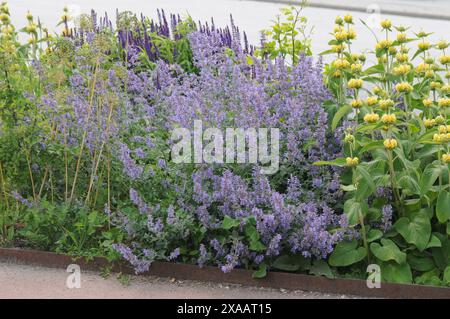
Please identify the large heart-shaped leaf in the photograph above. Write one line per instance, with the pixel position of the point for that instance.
(321, 268)
(346, 253)
(393, 272)
(388, 251)
(443, 207)
(421, 263)
(415, 229)
(291, 263)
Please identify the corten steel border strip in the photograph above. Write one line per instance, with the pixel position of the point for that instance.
(238, 276)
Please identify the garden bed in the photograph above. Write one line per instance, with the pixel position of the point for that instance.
(148, 140)
(237, 276)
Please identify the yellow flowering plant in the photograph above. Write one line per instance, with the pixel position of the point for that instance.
(397, 112)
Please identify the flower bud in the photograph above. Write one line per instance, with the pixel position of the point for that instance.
(424, 45)
(371, 100)
(422, 67)
(401, 37)
(356, 67)
(341, 64)
(383, 44)
(356, 104)
(352, 161)
(402, 57)
(348, 18)
(371, 118)
(339, 48)
(445, 89)
(442, 129)
(402, 69)
(349, 138)
(403, 87)
(341, 35)
(388, 119)
(355, 83)
(386, 104)
(445, 59)
(386, 24)
(435, 85)
(444, 102)
(422, 34)
(440, 120)
(442, 45)
(429, 123)
(390, 144)
(427, 102)
(31, 28)
(351, 34)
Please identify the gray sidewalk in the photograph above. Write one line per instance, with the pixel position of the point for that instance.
(430, 9)
(251, 16)
(20, 281)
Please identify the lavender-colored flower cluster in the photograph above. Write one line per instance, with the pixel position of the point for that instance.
(292, 211)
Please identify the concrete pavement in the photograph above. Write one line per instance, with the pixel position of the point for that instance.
(30, 282)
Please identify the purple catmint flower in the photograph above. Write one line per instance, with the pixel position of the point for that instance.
(274, 246)
(204, 256)
(139, 202)
(21, 199)
(174, 254)
(386, 218)
(130, 168)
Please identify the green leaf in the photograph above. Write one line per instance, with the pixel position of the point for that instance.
(447, 276)
(415, 229)
(443, 207)
(341, 112)
(346, 253)
(354, 209)
(420, 263)
(374, 234)
(448, 228)
(229, 223)
(348, 188)
(251, 232)
(291, 263)
(261, 272)
(434, 242)
(256, 245)
(341, 162)
(429, 176)
(371, 146)
(321, 268)
(389, 251)
(366, 178)
(395, 273)
(429, 278)
(441, 255)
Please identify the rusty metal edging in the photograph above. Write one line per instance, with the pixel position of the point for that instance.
(238, 276)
